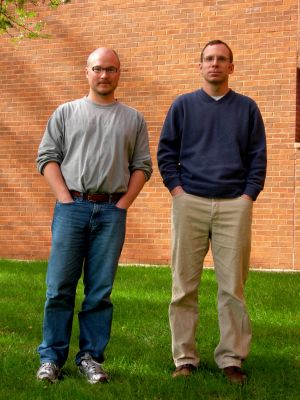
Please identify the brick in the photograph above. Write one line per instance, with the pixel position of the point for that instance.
(159, 45)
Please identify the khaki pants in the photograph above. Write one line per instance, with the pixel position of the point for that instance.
(226, 225)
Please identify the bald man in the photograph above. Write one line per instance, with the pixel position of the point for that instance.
(95, 157)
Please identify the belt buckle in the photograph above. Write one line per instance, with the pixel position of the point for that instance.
(89, 197)
(80, 195)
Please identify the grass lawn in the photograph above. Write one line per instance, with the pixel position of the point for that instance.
(138, 357)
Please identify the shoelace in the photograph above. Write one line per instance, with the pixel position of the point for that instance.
(48, 367)
(49, 370)
(92, 366)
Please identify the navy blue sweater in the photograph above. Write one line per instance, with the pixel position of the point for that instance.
(214, 149)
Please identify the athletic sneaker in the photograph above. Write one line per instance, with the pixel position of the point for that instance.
(92, 370)
(48, 371)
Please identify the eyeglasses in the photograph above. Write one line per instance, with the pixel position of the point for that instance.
(100, 70)
(219, 59)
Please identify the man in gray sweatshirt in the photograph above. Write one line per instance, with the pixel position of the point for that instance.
(95, 156)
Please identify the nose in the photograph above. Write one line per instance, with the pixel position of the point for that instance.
(104, 71)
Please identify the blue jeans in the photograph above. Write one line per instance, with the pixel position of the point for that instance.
(85, 236)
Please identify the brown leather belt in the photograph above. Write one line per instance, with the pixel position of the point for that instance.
(98, 197)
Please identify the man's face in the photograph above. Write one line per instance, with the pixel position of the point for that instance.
(216, 66)
(103, 73)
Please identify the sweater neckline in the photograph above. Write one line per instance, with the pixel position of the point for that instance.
(210, 99)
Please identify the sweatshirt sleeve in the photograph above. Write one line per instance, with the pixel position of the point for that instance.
(51, 146)
(169, 148)
(141, 159)
(257, 156)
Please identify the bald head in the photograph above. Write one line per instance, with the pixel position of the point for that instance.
(103, 51)
(103, 73)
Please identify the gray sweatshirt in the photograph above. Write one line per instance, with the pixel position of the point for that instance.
(96, 146)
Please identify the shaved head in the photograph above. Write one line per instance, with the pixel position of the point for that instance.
(103, 73)
(103, 51)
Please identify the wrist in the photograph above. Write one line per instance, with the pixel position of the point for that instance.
(65, 198)
(177, 191)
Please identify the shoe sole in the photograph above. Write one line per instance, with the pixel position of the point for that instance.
(47, 380)
(101, 380)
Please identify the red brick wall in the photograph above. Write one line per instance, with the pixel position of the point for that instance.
(296, 224)
(159, 44)
(298, 106)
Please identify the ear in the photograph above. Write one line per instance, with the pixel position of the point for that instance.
(231, 68)
(200, 67)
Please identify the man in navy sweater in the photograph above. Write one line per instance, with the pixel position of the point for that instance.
(212, 158)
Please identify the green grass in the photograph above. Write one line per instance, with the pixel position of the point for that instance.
(138, 356)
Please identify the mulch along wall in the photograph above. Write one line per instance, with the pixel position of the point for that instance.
(159, 42)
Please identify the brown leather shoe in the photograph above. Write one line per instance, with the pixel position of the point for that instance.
(235, 375)
(184, 370)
